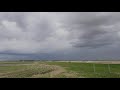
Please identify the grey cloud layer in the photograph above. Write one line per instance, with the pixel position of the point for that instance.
(46, 32)
(31, 33)
(94, 29)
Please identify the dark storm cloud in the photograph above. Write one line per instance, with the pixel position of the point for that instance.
(62, 35)
(93, 29)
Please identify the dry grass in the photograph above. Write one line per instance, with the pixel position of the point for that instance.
(37, 70)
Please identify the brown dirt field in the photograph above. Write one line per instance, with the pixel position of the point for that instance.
(102, 62)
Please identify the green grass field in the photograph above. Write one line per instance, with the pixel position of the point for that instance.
(54, 69)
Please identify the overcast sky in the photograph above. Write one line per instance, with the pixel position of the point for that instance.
(60, 35)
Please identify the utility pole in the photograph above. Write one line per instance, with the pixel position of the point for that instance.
(94, 67)
(109, 68)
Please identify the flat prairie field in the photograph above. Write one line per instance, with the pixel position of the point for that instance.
(59, 69)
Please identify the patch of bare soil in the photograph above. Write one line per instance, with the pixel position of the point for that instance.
(57, 72)
(105, 62)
